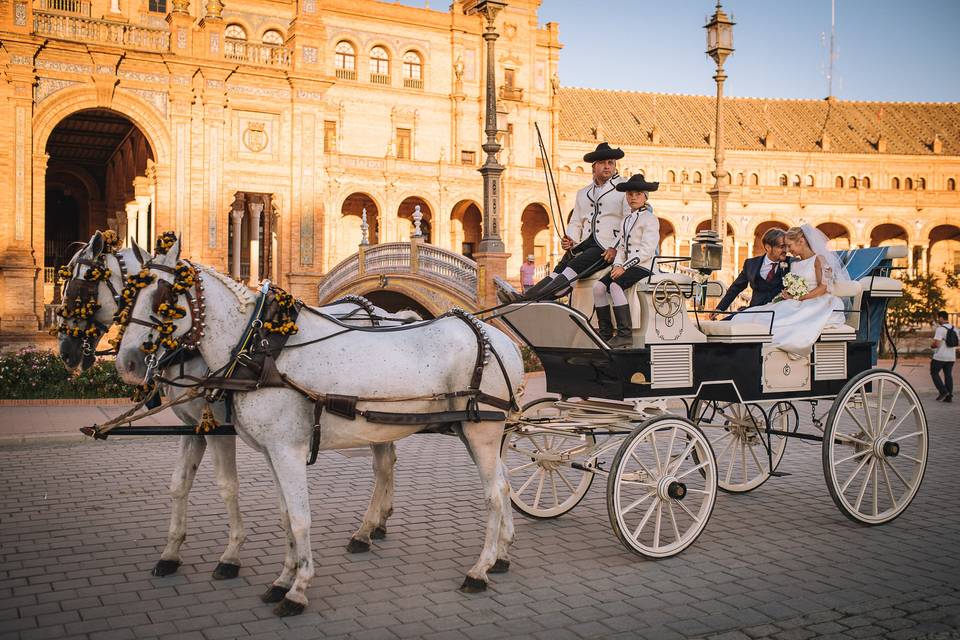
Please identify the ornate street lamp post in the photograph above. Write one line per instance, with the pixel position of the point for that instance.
(491, 169)
(719, 46)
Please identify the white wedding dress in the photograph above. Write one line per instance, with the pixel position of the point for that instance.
(797, 324)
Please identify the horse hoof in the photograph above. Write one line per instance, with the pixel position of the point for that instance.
(358, 546)
(500, 566)
(165, 568)
(379, 533)
(288, 608)
(473, 585)
(227, 571)
(274, 594)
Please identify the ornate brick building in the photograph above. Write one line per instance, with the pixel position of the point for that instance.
(263, 131)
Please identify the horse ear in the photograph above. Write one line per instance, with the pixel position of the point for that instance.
(96, 244)
(142, 254)
(172, 255)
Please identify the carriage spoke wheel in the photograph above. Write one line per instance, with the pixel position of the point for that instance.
(662, 487)
(543, 484)
(875, 447)
(736, 433)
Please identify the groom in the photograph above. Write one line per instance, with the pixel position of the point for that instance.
(763, 273)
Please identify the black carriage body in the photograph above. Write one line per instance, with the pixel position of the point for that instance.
(720, 371)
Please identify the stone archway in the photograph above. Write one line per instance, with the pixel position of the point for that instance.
(668, 236)
(348, 233)
(887, 234)
(761, 229)
(405, 218)
(535, 231)
(465, 227)
(101, 174)
(838, 236)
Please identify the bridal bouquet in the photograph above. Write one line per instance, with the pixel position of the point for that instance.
(793, 284)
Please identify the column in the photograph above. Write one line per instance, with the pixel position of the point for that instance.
(143, 221)
(256, 208)
(132, 210)
(237, 216)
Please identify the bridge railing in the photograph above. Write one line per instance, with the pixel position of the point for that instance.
(443, 267)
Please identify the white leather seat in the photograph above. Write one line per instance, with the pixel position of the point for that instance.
(726, 331)
(837, 333)
(683, 281)
(881, 287)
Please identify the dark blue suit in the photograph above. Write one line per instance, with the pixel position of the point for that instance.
(764, 291)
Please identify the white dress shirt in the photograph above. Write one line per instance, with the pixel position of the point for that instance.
(766, 266)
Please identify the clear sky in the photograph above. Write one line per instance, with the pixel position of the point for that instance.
(886, 49)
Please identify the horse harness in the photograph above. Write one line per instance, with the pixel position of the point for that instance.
(253, 365)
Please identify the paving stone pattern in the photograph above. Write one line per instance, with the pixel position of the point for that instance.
(82, 525)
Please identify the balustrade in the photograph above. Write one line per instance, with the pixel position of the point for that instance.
(70, 27)
(433, 263)
(259, 54)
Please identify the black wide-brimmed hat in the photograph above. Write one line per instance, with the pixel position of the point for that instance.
(637, 183)
(603, 152)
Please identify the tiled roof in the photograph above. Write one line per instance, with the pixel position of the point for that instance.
(628, 118)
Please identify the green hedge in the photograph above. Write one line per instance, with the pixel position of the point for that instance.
(30, 374)
(530, 360)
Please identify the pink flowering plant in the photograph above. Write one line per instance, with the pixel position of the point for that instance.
(32, 374)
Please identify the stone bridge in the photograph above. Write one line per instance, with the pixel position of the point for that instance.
(406, 275)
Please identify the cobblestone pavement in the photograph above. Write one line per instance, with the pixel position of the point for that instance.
(81, 525)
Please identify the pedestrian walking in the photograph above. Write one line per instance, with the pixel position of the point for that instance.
(944, 346)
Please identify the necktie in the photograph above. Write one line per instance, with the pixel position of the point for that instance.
(770, 273)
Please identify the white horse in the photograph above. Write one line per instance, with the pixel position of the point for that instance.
(76, 351)
(425, 360)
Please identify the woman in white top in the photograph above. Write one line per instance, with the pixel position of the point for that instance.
(798, 322)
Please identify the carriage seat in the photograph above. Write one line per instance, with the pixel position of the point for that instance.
(684, 281)
(838, 333)
(882, 287)
(725, 331)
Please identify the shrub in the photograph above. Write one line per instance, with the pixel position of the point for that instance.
(30, 374)
(530, 360)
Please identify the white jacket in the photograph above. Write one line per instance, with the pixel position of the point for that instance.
(599, 212)
(640, 238)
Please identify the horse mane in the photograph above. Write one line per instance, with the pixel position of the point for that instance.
(240, 290)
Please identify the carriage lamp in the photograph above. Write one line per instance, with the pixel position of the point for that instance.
(706, 252)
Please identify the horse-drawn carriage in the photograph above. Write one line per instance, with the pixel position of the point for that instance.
(697, 404)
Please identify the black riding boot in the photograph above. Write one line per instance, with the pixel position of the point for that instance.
(549, 290)
(624, 337)
(604, 322)
(533, 292)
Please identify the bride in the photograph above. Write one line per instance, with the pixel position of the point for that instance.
(798, 322)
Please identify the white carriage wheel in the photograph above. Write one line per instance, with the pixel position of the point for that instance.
(543, 485)
(736, 433)
(875, 447)
(659, 494)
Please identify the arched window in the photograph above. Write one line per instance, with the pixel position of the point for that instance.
(810, 181)
(865, 182)
(908, 184)
(235, 32)
(754, 180)
(412, 70)
(951, 184)
(671, 176)
(839, 182)
(684, 176)
(895, 183)
(921, 184)
(852, 183)
(379, 64)
(783, 180)
(740, 179)
(796, 181)
(273, 37)
(345, 60)
(697, 177)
